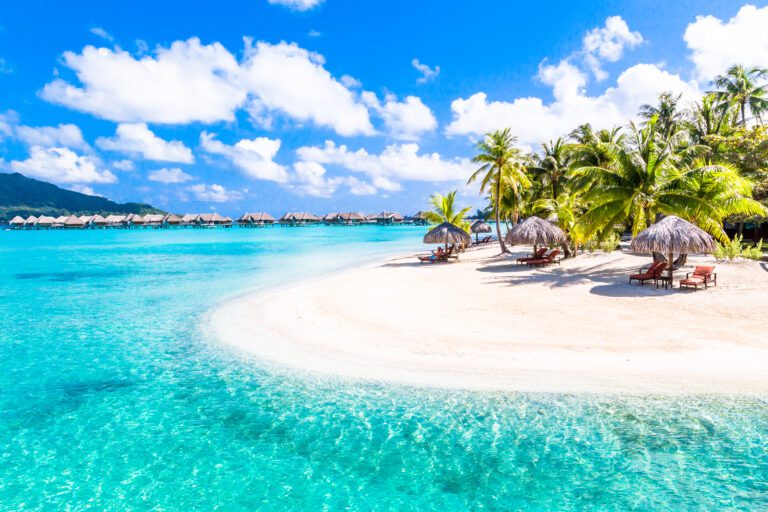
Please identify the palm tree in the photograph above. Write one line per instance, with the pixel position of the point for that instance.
(445, 211)
(553, 165)
(705, 124)
(669, 117)
(560, 210)
(502, 166)
(651, 176)
(739, 88)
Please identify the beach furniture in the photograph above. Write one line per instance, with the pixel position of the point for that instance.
(549, 259)
(701, 275)
(437, 255)
(538, 254)
(652, 273)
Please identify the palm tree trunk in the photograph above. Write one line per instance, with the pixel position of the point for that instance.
(498, 219)
(743, 114)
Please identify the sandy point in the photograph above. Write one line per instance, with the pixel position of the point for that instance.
(486, 323)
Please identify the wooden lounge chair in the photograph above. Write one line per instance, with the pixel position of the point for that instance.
(651, 273)
(440, 255)
(701, 275)
(535, 256)
(549, 259)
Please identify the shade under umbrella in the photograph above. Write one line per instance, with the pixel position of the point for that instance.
(480, 226)
(673, 235)
(535, 231)
(447, 233)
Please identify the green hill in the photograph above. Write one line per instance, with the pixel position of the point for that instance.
(24, 196)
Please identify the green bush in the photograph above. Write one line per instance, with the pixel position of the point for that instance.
(610, 243)
(735, 249)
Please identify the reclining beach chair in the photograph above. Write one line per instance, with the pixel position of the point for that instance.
(535, 256)
(701, 275)
(549, 259)
(651, 273)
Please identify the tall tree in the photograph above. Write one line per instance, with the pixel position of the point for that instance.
(553, 165)
(740, 88)
(501, 167)
(668, 115)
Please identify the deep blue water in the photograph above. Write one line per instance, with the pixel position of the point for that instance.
(111, 398)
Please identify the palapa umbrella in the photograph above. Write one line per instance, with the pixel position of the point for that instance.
(535, 231)
(480, 226)
(673, 235)
(447, 233)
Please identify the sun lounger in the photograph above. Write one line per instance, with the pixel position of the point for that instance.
(535, 256)
(549, 259)
(651, 273)
(439, 255)
(701, 275)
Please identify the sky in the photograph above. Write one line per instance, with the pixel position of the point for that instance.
(332, 105)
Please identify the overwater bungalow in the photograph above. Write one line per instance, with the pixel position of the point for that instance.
(299, 219)
(419, 218)
(154, 220)
(351, 218)
(73, 222)
(256, 219)
(387, 218)
(45, 222)
(115, 221)
(213, 219)
(30, 222)
(99, 222)
(134, 220)
(17, 222)
(189, 219)
(331, 218)
(171, 220)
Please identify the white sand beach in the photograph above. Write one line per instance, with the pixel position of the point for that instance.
(486, 323)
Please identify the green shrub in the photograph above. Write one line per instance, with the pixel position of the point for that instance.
(735, 249)
(753, 253)
(610, 243)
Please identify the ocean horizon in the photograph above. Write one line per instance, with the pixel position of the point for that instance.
(113, 397)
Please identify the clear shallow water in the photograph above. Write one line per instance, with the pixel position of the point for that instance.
(110, 398)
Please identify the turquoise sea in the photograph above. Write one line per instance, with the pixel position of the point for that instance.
(111, 398)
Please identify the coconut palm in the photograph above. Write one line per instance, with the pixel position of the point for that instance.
(668, 115)
(553, 165)
(740, 88)
(445, 211)
(651, 176)
(560, 210)
(501, 167)
(705, 124)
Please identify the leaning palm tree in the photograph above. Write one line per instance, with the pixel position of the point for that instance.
(740, 88)
(501, 166)
(652, 176)
(445, 211)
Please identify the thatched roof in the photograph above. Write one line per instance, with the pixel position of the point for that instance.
(189, 217)
(420, 215)
(45, 221)
(351, 216)
(61, 219)
(480, 226)
(16, 221)
(331, 217)
(115, 219)
(673, 235)
(30, 220)
(256, 217)
(99, 220)
(154, 218)
(535, 231)
(170, 218)
(73, 221)
(447, 233)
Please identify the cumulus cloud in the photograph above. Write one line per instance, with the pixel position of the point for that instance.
(124, 165)
(398, 162)
(427, 73)
(607, 43)
(68, 135)
(294, 81)
(716, 44)
(253, 157)
(98, 31)
(214, 193)
(84, 189)
(190, 81)
(405, 120)
(297, 5)
(62, 165)
(169, 175)
(137, 139)
(309, 178)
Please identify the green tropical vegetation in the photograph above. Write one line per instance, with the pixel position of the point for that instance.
(706, 162)
(445, 210)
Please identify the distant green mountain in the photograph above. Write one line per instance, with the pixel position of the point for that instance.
(24, 196)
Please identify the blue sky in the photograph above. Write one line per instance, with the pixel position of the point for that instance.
(334, 105)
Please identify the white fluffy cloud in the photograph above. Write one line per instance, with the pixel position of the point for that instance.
(169, 175)
(183, 83)
(297, 5)
(398, 162)
(123, 165)
(62, 165)
(190, 81)
(85, 189)
(716, 45)
(68, 135)
(289, 79)
(138, 140)
(405, 120)
(427, 73)
(310, 178)
(254, 157)
(607, 43)
(214, 193)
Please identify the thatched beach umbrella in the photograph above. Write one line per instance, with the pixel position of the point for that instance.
(673, 235)
(480, 226)
(535, 231)
(447, 233)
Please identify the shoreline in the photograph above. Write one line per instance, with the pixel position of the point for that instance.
(511, 328)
